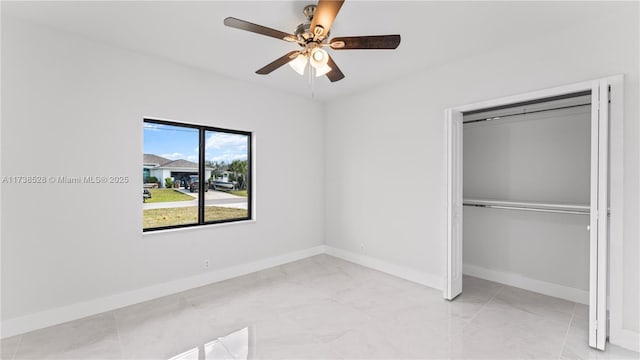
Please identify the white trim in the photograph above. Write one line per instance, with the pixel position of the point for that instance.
(625, 338)
(616, 201)
(555, 91)
(75, 311)
(402, 272)
(254, 175)
(603, 219)
(196, 227)
(594, 224)
(523, 282)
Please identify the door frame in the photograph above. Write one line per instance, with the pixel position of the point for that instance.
(611, 187)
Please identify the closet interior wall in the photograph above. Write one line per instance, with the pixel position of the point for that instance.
(541, 157)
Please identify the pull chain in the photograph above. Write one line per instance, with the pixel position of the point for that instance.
(311, 79)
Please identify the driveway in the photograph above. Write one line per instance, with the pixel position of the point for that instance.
(211, 198)
(212, 195)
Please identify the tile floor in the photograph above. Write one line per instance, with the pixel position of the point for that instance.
(326, 308)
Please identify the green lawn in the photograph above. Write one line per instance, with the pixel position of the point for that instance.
(188, 215)
(239, 192)
(165, 195)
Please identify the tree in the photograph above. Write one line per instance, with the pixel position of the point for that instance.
(215, 165)
(239, 169)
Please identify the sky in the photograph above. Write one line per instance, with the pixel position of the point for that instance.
(175, 142)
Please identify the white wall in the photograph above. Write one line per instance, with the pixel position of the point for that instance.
(385, 152)
(543, 157)
(74, 107)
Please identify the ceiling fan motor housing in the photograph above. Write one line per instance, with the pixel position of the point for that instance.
(309, 11)
(304, 31)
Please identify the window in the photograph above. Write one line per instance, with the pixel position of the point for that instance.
(194, 175)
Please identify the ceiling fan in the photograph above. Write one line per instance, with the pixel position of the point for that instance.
(312, 36)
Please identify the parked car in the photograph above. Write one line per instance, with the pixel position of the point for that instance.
(194, 183)
(146, 194)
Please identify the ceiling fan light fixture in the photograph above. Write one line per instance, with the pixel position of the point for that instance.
(311, 36)
(322, 70)
(319, 58)
(299, 64)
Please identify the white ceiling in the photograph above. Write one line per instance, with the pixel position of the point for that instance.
(192, 33)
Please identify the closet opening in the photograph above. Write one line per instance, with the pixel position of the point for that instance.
(528, 196)
(535, 157)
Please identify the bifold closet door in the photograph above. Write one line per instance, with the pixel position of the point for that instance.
(599, 219)
(453, 286)
(599, 203)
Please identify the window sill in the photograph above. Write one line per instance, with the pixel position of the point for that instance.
(198, 227)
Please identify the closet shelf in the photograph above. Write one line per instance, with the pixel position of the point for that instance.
(529, 206)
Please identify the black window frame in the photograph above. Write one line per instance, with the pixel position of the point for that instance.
(201, 175)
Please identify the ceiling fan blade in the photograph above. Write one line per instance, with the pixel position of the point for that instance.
(365, 42)
(267, 69)
(326, 12)
(258, 29)
(335, 74)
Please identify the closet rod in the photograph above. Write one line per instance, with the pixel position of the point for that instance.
(524, 112)
(574, 212)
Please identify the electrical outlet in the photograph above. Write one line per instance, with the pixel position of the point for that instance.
(205, 265)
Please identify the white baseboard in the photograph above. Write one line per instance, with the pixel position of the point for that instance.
(625, 338)
(386, 267)
(75, 311)
(15, 326)
(522, 282)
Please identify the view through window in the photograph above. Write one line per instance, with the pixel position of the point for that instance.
(194, 175)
